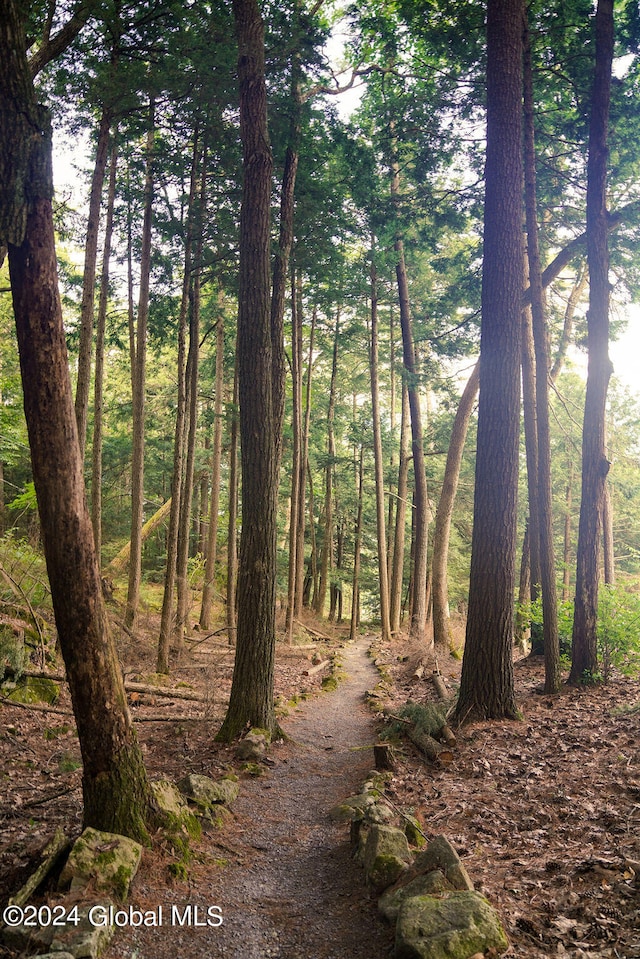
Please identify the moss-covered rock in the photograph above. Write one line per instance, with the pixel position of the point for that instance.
(386, 856)
(413, 832)
(253, 748)
(107, 860)
(33, 690)
(433, 884)
(175, 811)
(207, 792)
(453, 926)
(441, 855)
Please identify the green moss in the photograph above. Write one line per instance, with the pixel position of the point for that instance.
(178, 870)
(252, 769)
(329, 683)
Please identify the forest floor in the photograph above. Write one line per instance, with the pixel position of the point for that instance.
(545, 812)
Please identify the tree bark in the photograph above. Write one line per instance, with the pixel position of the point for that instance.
(595, 466)
(251, 699)
(487, 682)
(232, 537)
(117, 796)
(296, 473)
(357, 553)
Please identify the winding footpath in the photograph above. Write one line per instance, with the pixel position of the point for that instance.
(292, 890)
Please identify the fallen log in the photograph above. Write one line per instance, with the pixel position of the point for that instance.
(440, 686)
(316, 669)
(431, 748)
(419, 671)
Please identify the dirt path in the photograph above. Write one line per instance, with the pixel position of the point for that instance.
(291, 889)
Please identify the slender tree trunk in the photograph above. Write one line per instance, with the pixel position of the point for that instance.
(357, 553)
(138, 380)
(117, 796)
(607, 538)
(383, 573)
(566, 550)
(304, 469)
(296, 426)
(167, 616)
(96, 452)
(397, 573)
(420, 545)
(232, 536)
(487, 682)
(85, 349)
(251, 700)
(595, 466)
(392, 428)
(542, 359)
(216, 465)
(441, 631)
(531, 446)
(325, 556)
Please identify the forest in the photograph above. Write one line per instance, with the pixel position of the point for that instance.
(311, 355)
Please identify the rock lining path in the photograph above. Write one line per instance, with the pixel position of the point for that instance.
(295, 892)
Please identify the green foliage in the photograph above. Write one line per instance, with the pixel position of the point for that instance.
(618, 630)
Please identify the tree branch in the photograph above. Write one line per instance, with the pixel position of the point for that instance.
(52, 47)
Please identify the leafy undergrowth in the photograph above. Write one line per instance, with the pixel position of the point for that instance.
(545, 812)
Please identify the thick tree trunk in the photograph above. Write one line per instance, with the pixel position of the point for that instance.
(251, 700)
(383, 572)
(530, 418)
(96, 451)
(607, 538)
(441, 631)
(117, 796)
(566, 544)
(595, 466)
(487, 682)
(138, 382)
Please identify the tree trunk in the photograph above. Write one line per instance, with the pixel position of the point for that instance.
(85, 349)
(296, 474)
(566, 546)
(251, 700)
(216, 464)
(327, 542)
(96, 452)
(357, 552)
(232, 537)
(595, 466)
(542, 359)
(487, 682)
(138, 382)
(441, 631)
(607, 538)
(117, 796)
(421, 499)
(397, 573)
(177, 481)
(531, 446)
(304, 469)
(383, 572)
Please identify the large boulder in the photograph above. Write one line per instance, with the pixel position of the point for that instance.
(453, 926)
(106, 860)
(386, 856)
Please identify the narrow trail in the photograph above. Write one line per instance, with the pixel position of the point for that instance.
(293, 891)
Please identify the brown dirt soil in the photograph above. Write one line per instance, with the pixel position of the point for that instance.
(544, 812)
